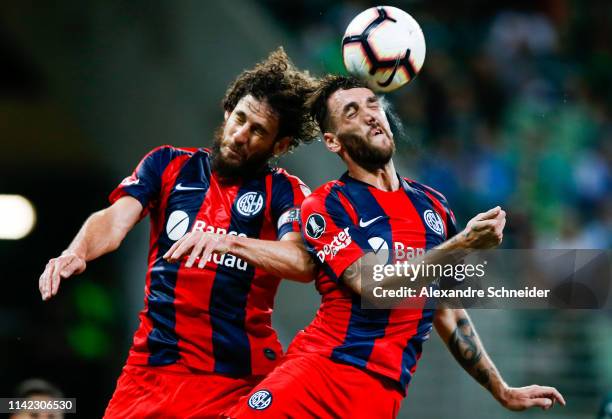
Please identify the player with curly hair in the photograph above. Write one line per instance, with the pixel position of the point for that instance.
(205, 336)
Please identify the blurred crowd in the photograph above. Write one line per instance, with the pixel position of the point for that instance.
(512, 107)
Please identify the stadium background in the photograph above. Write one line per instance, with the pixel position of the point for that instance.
(512, 107)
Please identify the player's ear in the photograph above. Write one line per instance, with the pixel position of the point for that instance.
(226, 115)
(331, 142)
(281, 146)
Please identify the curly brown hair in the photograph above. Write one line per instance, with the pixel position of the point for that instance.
(284, 88)
(327, 86)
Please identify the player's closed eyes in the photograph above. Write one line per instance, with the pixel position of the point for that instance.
(240, 118)
(256, 129)
(373, 103)
(351, 112)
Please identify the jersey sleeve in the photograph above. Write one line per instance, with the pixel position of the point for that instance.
(449, 217)
(288, 193)
(451, 222)
(440, 201)
(331, 236)
(144, 183)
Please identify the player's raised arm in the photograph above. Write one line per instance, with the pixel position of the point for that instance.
(102, 233)
(484, 231)
(458, 333)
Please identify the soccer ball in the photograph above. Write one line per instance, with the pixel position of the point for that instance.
(385, 47)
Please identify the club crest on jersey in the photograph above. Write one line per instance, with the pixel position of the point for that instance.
(433, 221)
(250, 204)
(260, 400)
(315, 226)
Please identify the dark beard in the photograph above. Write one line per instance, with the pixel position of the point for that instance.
(230, 171)
(362, 153)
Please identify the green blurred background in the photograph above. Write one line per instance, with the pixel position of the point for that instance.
(512, 107)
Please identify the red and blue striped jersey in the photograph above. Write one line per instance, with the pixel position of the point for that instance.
(216, 319)
(343, 220)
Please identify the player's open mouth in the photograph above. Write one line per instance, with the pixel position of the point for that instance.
(376, 131)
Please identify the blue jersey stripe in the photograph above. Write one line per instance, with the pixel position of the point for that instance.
(365, 326)
(415, 347)
(283, 199)
(163, 340)
(421, 203)
(229, 296)
(282, 195)
(146, 181)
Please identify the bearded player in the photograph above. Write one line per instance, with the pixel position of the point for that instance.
(354, 362)
(205, 336)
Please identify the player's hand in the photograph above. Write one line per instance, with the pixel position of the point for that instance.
(59, 268)
(199, 245)
(486, 230)
(521, 398)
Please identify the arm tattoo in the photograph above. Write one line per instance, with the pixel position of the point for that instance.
(482, 375)
(463, 344)
(466, 349)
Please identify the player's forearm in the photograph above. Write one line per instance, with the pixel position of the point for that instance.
(97, 236)
(484, 231)
(285, 259)
(458, 332)
(481, 233)
(450, 252)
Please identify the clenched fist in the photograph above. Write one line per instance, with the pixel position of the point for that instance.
(485, 230)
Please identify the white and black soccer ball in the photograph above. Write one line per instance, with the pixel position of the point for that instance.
(385, 47)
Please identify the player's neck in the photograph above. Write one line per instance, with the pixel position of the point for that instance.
(384, 178)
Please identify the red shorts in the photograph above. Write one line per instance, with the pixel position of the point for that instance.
(313, 386)
(153, 392)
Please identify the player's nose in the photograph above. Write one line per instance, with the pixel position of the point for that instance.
(370, 118)
(241, 136)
